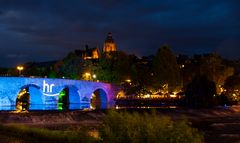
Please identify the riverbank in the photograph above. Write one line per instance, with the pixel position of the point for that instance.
(218, 124)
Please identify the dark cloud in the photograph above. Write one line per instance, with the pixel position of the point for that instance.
(1, 12)
(229, 48)
(46, 30)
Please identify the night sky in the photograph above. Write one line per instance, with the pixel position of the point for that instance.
(43, 30)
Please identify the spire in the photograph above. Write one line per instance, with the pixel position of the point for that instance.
(109, 44)
(109, 34)
(109, 38)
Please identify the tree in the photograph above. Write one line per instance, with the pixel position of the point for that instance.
(71, 66)
(232, 86)
(200, 92)
(142, 76)
(212, 66)
(113, 67)
(165, 69)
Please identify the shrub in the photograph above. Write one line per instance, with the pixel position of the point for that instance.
(146, 128)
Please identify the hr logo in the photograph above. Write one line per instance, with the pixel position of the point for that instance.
(49, 88)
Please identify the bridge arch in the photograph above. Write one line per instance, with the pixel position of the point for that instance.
(23, 100)
(69, 98)
(99, 99)
(30, 85)
(29, 97)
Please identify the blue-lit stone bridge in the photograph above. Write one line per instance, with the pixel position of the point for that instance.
(46, 93)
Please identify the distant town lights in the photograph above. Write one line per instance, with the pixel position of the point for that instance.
(173, 95)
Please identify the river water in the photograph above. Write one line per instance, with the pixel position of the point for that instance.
(49, 107)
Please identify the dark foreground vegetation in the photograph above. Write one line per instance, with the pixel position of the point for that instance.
(115, 128)
(23, 134)
(147, 128)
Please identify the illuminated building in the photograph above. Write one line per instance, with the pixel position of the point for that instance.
(94, 53)
(89, 53)
(109, 44)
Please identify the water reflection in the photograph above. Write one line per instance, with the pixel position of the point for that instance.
(146, 107)
(83, 106)
(49, 107)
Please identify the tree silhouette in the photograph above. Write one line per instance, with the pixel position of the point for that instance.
(71, 66)
(165, 69)
(114, 67)
(232, 86)
(200, 92)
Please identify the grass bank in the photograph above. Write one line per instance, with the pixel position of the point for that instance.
(116, 127)
(23, 134)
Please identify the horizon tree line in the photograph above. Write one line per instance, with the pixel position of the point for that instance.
(161, 72)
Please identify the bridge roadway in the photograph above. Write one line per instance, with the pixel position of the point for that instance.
(44, 92)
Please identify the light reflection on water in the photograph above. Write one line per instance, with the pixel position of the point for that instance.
(145, 107)
(48, 107)
(82, 106)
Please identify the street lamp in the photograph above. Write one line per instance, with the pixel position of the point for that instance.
(20, 68)
(87, 75)
(94, 76)
(128, 80)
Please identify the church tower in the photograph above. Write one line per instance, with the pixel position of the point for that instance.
(109, 44)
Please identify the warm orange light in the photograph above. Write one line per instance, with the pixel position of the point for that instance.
(173, 95)
(20, 68)
(87, 74)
